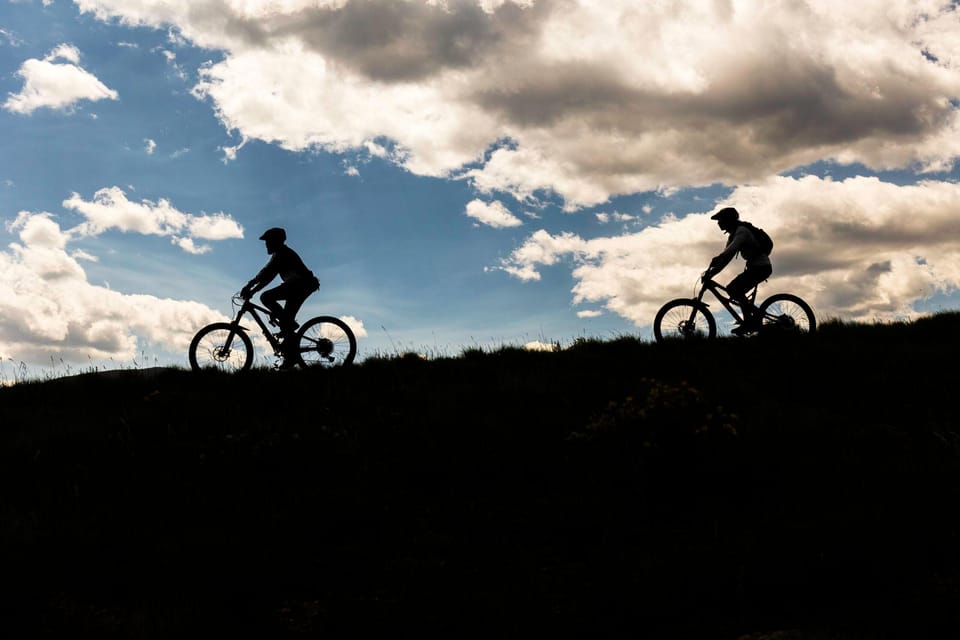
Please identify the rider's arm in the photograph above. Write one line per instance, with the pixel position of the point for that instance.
(737, 240)
(262, 279)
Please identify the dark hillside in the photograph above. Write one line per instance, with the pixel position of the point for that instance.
(614, 489)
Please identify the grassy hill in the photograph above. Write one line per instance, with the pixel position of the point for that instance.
(613, 489)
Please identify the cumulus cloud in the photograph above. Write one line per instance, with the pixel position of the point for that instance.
(111, 209)
(537, 345)
(356, 325)
(860, 248)
(583, 99)
(56, 82)
(493, 214)
(48, 306)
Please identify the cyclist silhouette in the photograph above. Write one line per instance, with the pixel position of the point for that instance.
(298, 282)
(758, 267)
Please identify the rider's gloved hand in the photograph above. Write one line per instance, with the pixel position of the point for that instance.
(245, 293)
(706, 275)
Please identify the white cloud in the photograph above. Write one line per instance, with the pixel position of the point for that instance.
(216, 226)
(230, 153)
(56, 85)
(356, 325)
(605, 218)
(149, 146)
(595, 98)
(47, 305)
(493, 214)
(66, 52)
(80, 254)
(171, 58)
(537, 345)
(188, 245)
(859, 249)
(111, 209)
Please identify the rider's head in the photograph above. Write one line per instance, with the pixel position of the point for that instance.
(726, 218)
(274, 238)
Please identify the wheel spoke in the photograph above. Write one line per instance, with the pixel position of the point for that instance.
(326, 342)
(683, 320)
(221, 347)
(787, 313)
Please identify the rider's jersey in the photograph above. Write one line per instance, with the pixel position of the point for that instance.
(287, 264)
(742, 241)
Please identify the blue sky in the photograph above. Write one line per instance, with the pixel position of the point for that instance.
(463, 173)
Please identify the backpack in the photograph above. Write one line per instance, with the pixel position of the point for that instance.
(762, 237)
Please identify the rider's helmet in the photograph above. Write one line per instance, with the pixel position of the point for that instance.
(727, 214)
(274, 235)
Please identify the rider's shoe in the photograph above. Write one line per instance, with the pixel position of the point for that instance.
(746, 327)
(289, 332)
(287, 357)
(292, 326)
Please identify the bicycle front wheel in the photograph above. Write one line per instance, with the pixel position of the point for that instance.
(787, 313)
(684, 319)
(221, 346)
(325, 341)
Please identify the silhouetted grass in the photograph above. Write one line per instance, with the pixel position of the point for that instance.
(614, 488)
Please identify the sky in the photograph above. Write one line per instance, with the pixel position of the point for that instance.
(464, 173)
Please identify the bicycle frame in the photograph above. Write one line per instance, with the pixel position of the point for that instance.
(780, 313)
(252, 308)
(720, 293)
(321, 341)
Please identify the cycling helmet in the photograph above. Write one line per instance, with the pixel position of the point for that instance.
(275, 234)
(727, 214)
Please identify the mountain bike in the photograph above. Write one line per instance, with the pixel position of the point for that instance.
(324, 341)
(691, 318)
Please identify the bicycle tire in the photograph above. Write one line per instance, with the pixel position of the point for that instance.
(325, 341)
(207, 348)
(684, 319)
(787, 313)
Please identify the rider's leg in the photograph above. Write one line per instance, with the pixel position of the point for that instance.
(297, 293)
(271, 300)
(740, 286)
(294, 293)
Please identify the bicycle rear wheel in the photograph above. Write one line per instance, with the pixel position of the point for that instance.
(325, 341)
(221, 346)
(684, 319)
(788, 314)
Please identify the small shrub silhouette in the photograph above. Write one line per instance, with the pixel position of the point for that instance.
(663, 417)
